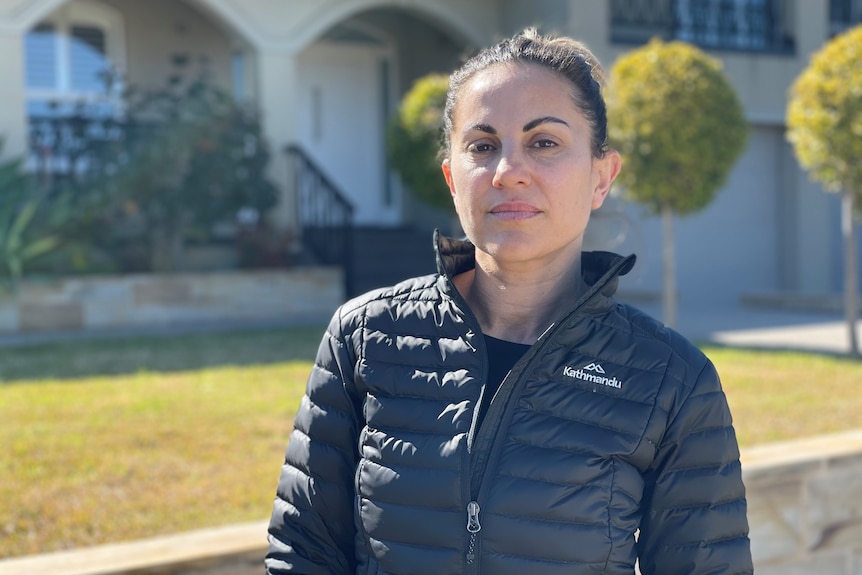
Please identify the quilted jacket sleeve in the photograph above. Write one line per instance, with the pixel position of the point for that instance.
(695, 518)
(311, 530)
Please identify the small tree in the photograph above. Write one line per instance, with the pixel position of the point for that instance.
(189, 157)
(413, 140)
(824, 121)
(679, 126)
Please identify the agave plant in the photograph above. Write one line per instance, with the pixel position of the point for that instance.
(27, 220)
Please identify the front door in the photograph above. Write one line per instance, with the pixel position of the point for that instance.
(344, 93)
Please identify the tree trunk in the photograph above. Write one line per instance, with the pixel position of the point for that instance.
(851, 272)
(669, 297)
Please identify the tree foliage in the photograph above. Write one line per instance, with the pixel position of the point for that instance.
(188, 157)
(824, 121)
(824, 115)
(413, 140)
(678, 124)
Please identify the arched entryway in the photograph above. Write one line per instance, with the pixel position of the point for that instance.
(349, 81)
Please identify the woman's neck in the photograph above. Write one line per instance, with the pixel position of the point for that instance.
(518, 305)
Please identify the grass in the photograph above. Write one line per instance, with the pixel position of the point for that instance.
(117, 440)
(111, 440)
(783, 395)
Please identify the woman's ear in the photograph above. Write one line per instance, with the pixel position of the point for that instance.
(447, 173)
(606, 170)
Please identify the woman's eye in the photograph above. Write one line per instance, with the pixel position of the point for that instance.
(480, 147)
(544, 143)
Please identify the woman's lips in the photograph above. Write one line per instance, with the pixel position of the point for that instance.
(514, 211)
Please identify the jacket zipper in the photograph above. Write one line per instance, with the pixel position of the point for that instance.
(473, 525)
(476, 465)
(473, 528)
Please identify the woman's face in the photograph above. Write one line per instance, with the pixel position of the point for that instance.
(520, 167)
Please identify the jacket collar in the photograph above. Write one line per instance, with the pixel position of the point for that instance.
(601, 270)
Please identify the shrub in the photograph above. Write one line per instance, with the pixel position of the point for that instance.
(413, 140)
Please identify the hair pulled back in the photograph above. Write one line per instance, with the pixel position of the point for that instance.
(568, 58)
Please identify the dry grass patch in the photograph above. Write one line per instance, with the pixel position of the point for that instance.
(782, 395)
(185, 432)
(106, 459)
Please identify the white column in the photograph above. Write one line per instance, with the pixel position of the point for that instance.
(13, 108)
(277, 96)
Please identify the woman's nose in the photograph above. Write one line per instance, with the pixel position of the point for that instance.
(511, 170)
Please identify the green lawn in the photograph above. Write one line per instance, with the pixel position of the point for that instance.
(109, 440)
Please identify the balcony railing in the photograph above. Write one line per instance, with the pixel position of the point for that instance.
(742, 25)
(70, 146)
(844, 14)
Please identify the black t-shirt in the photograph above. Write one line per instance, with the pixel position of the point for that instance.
(502, 356)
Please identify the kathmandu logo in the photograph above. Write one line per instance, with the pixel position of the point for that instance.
(593, 373)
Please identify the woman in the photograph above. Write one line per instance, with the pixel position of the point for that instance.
(506, 415)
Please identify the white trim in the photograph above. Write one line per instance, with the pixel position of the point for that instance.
(327, 16)
(31, 13)
(232, 18)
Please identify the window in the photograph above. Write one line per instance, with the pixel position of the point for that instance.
(73, 58)
(72, 61)
(844, 14)
(746, 25)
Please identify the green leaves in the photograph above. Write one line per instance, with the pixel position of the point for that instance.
(678, 124)
(824, 114)
(190, 158)
(28, 220)
(413, 140)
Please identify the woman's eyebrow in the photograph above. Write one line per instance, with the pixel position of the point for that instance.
(482, 128)
(538, 121)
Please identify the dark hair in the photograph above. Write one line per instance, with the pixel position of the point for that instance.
(570, 59)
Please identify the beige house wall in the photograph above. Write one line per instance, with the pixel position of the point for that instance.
(157, 30)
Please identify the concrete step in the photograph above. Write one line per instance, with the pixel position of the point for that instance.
(231, 550)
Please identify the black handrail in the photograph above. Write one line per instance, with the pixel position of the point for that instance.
(325, 215)
(744, 25)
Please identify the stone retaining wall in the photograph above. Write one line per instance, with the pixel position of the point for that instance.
(166, 300)
(805, 506)
(805, 511)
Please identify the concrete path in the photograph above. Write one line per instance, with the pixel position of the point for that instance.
(764, 328)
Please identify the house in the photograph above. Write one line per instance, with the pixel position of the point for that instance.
(327, 74)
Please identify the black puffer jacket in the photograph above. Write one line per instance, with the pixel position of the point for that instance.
(609, 424)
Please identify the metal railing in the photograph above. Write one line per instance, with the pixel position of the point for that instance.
(740, 25)
(325, 215)
(67, 147)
